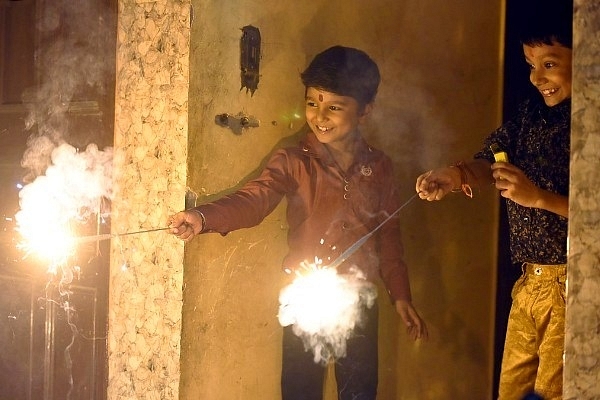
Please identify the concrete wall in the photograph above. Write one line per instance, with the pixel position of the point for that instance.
(146, 273)
(441, 67)
(582, 366)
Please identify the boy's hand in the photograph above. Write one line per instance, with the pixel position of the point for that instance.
(185, 224)
(514, 185)
(437, 183)
(415, 326)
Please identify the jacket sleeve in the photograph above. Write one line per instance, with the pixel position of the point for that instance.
(249, 205)
(393, 269)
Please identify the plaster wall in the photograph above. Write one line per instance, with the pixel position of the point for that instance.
(439, 97)
(441, 74)
(582, 341)
(146, 271)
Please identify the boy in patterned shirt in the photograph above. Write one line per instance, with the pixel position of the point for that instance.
(534, 180)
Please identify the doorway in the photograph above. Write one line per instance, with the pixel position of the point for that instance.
(56, 86)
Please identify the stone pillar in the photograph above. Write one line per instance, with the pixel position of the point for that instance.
(146, 272)
(582, 345)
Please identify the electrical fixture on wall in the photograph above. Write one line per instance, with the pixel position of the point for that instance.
(250, 58)
(237, 123)
(250, 73)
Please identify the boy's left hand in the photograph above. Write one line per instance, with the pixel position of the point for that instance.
(513, 184)
(415, 326)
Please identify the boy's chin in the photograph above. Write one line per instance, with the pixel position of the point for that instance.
(321, 137)
(554, 101)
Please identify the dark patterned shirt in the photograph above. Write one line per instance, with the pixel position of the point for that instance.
(538, 142)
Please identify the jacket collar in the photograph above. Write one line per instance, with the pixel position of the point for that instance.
(313, 148)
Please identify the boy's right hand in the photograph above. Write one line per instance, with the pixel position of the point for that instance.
(185, 224)
(437, 183)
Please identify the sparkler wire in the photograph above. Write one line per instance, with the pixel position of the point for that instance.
(94, 238)
(350, 250)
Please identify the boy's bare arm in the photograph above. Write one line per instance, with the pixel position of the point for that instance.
(437, 183)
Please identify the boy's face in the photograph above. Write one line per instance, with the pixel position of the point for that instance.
(333, 118)
(550, 71)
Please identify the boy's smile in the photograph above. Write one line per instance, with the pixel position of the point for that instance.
(333, 118)
(550, 71)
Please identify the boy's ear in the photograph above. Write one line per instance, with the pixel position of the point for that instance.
(365, 111)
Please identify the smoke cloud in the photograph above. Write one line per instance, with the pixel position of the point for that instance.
(67, 176)
(71, 190)
(72, 74)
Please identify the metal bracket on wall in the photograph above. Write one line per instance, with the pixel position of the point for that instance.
(191, 198)
(250, 58)
(237, 123)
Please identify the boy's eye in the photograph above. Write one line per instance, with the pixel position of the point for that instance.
(549, 64)
(310, 103)
(334, 108)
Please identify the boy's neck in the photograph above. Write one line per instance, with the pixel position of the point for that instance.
(343, 154)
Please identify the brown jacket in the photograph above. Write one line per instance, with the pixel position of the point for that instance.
(327, 210)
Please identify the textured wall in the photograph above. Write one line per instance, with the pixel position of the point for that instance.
(434, 102)
(582, 358)
(146, 274)
(441, 69)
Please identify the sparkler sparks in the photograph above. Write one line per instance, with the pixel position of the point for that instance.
(72, 190)
(324, 307)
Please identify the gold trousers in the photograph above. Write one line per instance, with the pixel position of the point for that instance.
(533, 350)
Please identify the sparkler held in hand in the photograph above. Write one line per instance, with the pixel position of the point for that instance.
(106, 236)
(341, 194)
(350, 250)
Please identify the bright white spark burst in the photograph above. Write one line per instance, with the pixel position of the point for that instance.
(69, 192)
(324, 307)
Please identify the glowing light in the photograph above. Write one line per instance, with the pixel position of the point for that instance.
(41, 223)
(69, 192)
(324, 307)
(51, 244)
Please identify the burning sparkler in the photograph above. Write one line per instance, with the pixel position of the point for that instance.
(68, 194)
(324, 307)
(106, 236)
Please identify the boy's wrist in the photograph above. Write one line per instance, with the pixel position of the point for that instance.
(456, 181)
(202, 219)
(463, 178)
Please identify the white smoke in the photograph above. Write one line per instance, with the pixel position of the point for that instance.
(324, 307)
(71, 67)
(72, 189)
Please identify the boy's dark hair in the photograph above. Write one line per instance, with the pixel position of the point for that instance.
(548, 22)
(344, 71)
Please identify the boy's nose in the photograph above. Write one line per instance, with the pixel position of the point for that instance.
(321, 115)
(537, 77)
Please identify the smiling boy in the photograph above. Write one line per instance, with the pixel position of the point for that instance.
(338, 189)
(535, 182)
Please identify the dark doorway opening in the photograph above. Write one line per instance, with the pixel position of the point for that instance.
(56, 81)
